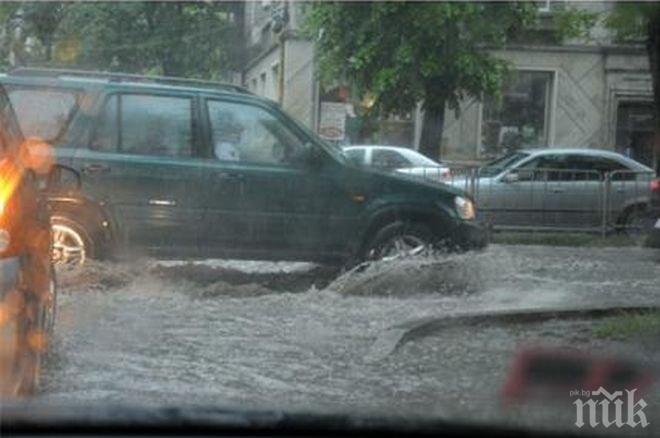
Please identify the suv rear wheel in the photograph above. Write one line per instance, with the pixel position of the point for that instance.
(399, 239)
(71, 243)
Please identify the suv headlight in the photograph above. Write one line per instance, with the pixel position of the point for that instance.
(464, 208)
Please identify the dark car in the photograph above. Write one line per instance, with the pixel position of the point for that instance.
(27, 283)
(174, 167)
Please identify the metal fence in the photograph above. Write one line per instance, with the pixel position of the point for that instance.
(555, 199)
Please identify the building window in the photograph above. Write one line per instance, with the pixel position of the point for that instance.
(635, 124)
(520, 119)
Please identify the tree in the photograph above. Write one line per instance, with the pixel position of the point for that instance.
(7, 37)
(640, 22)
(42, 20)
(178, 39)
(405, 53)
(195, 39)
(402, 53)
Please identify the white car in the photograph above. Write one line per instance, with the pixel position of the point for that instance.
(400, 159)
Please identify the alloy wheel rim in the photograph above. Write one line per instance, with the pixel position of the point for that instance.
(404, 245)
(68, 246)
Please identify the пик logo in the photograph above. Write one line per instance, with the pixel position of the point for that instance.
(632, 416)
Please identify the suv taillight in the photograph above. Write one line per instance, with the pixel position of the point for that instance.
(655, 185)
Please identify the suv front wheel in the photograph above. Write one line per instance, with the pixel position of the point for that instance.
(399, 239)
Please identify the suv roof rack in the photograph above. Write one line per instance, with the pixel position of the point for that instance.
(125, 77)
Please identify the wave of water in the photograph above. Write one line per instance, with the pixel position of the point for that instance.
(258, 334)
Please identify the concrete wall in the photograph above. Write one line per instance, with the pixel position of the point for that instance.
(262, 78)
(299, 81)
(588, 84)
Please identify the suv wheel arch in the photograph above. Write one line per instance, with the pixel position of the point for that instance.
(437, 222)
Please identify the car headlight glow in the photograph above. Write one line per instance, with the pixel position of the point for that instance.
(464, 208)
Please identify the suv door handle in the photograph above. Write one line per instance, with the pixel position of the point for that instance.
(557, 190)
(96, 168)
(230, 176)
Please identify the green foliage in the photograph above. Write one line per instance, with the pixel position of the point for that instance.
(630, 20)
(403, 53)
(184, 39)
(7, 11)
(42, 20)
(571, 22)
(629, 325)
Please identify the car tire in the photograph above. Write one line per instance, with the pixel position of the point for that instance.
(72, 244)
(398, 239)
(636, 223)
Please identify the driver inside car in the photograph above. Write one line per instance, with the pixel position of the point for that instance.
(226, 140)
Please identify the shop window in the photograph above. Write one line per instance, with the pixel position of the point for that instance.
(520, 118)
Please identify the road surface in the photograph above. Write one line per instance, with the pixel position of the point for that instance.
(291, 335)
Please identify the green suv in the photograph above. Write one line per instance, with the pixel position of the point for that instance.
(184, 168)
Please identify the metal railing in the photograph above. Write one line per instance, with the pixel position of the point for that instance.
(554, 199)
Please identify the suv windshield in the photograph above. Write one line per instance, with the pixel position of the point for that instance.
(11, 134)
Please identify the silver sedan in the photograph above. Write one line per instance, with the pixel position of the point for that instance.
(561, 188)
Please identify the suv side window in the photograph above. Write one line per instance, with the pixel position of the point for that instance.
(388, 159)
(246, 133)
(155, 125)
(145, 124)
(106, 138)
(43, 112)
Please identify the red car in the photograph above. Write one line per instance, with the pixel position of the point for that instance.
(27, 283)
(654, 209)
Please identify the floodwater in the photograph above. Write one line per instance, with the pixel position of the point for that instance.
(297, 336)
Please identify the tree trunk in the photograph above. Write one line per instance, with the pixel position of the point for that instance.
(432, 126)
(653, 49)
(48, 44)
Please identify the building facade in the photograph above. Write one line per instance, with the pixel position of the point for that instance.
(582, 93)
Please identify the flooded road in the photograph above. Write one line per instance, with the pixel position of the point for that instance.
(252, 334)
